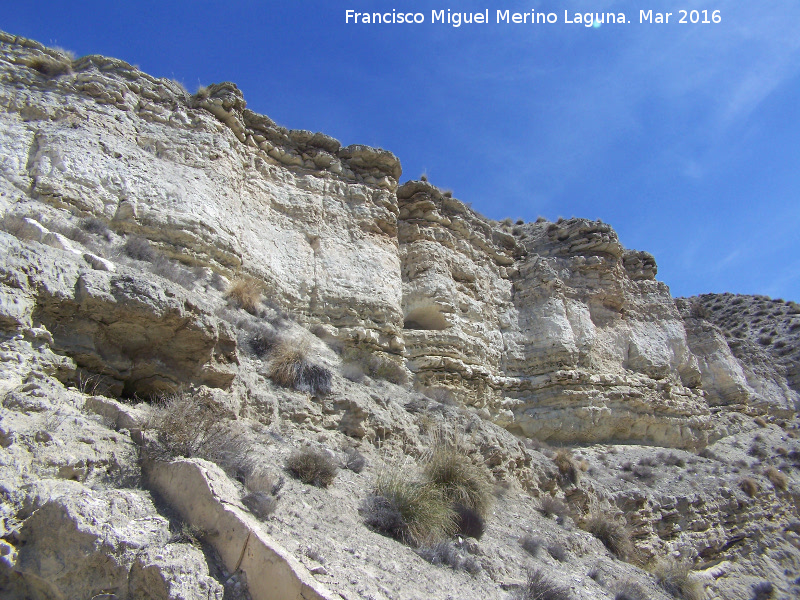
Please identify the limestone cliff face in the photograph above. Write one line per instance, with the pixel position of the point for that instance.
(553, 328)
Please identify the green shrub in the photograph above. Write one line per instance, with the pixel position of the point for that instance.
(461, 481)
(312, 466)
(410, 511)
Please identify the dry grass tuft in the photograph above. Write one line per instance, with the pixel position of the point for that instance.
(50, 66)
(312, 466)
(246, 294)
(676, 578)
(540, 587)
(630, 590)
(567, 467)
(290, 367)
(550, 506)
(614, 534)
(138, 248)
(407, 510)
(778, 479)
(461, 480)
(749, 486)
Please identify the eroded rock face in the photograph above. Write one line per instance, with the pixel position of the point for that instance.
(140, 336)
(554, 328)
(764, 337)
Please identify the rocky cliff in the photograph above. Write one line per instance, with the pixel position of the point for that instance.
(159, 243)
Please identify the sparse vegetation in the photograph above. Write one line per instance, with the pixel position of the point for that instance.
(312, 466)
(246, 294)
(676, 578)
(614, 533)
(138, 248)
(97, 227)
(778, 479)
(557, 551)
(567, 467)
(445, 553)
(763, 590)
(541, 587)
(460, 480)
(186, 426)
(359, 361)
(749, 486)
(531, 544)
(407, 510)
(291, 367)
(51, 66)
(354, 460)
(629, 590)
(261, 340)
(261, 504)
(550, 506)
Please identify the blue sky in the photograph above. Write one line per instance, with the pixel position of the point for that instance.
(684, 137)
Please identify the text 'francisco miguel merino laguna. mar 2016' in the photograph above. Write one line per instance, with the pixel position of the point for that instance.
(532, 17)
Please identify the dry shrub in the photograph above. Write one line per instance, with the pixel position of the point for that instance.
(246, 294)
(541, 587)
(261, 340)
(461, 480)
(410, 511)
(290, 367)
(312, 466)
(373, 364)
(138, 248)
(51, 66)
(186, 426)
(354, 460)
(445, 553)
(749, 486)
(531, 544)
(676, 578)
(97, 227)
(778, 479)
(630, 590)
(469, 521)
(614, 534)
(567, 469)
(550, 506)
(763, 590)
(261, 504)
